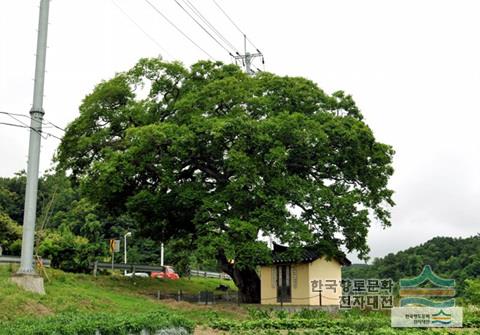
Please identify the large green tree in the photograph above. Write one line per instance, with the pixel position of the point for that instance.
(216, 156)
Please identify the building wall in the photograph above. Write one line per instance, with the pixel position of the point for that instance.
(324, 270)
(268, 289)
(302, 275)
(300, 289)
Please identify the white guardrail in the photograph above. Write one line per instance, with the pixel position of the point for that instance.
(16, 260)
(209, 274)
(194, 273)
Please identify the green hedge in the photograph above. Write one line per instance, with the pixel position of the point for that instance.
(290, 324)
(88, 324)
(348, 331)
(346, 325)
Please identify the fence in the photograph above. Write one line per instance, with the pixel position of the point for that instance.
(202, 298)
(128, 267)
(153, 268)
(209, 274)
(16, 260)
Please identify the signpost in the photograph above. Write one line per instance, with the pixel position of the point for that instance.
(114, 247)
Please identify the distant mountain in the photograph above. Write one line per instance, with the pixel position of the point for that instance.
(457, 258)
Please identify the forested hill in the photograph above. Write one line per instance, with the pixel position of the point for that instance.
(457, 258)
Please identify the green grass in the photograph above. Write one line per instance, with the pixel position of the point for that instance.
(71, 293)
(311, 322)
(117, 296)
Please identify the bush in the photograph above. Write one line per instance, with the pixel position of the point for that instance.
(67, 251)
(472, 291)
(10, 235)
(106, 324)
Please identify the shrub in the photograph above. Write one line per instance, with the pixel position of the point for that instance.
(67, 251)
(472, 291)
(106, 324)
(10, 235)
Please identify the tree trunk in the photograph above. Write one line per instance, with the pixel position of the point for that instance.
(246, 280)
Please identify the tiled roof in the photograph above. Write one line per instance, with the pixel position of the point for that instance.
(280, 255)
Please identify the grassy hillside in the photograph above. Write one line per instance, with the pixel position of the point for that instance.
(82, 301)
(68, 293)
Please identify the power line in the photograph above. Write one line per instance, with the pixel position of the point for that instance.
(28, 127)
(211, 26)
(13, 125)
(203, 28)
(29, 117)
(236, 26)
(150, 37)
(54, 125)
(177, 28)
(51, 135)
(22, 115)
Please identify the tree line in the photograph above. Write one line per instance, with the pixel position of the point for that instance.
(449, 257)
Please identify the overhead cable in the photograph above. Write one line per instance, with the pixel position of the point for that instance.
(177, 28)
(203, 28)
(150, 37)
(236, 26)
(28, 127)
(45, 121)
(210, 25)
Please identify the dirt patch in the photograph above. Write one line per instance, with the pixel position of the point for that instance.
(202, 330)
(234, 309)
(35, 308)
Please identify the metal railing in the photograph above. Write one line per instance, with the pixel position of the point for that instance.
(203, 297)
(209, 274)
(128, 267)
(152, 268)
(16, 260)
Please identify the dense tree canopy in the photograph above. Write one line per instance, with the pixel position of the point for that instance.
(217, 158)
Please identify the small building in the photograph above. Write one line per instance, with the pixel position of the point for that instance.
(311, 279)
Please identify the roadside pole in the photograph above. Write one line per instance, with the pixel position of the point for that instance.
(26, 276)
(125, 250)
(112, 251)
(162, 255)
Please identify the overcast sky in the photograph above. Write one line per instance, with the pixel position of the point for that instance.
(413, 68)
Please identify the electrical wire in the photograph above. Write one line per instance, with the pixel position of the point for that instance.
(28, 127)
(177, 28)
(211, 26)
(22, 115)
(29, 117)
(203, 28)
(236, 26)
(12, 125)
(55, 126)
(150, 37)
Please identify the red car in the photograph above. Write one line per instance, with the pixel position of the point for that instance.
(169, 273)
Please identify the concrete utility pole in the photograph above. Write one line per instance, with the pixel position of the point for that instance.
(247, 58)
(128, 234)
(161, 255)
(26, 275)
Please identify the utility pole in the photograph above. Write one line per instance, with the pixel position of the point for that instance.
(128, 234)
(247, 58)
(161, 254)
(26, 276)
